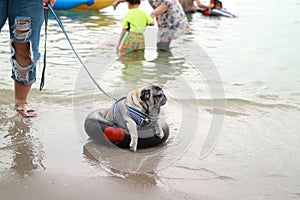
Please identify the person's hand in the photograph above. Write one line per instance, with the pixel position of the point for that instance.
(115, 4)
(162, 8)
(45, 3)
(152, 15)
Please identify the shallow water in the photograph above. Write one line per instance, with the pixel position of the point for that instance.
(232, 84)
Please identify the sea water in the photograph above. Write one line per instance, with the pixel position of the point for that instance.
(252, 98)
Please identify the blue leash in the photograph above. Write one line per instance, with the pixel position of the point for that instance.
(67, 37)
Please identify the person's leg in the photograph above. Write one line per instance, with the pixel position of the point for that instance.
(163, 39)
(25, 21)
(128, 43)
(163, 46)
(21, 93)
(22, 56)
(140, 41)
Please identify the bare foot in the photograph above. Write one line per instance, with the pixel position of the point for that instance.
(23, 110)
(21, 105)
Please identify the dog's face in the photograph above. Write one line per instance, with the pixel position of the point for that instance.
(153, 95)
(149, 99)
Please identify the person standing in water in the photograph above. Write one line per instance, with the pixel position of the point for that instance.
(134, 25)
(25, 19)
(171, 21)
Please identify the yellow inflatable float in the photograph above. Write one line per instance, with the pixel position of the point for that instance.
(82, 4)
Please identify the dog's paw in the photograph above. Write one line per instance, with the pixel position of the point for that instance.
(133, 149)
(133, 145)
(159, 134)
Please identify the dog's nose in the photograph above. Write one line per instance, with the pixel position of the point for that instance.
(164, 100)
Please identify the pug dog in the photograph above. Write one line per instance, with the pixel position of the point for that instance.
(146, 101)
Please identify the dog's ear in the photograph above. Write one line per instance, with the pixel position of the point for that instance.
(145, 94)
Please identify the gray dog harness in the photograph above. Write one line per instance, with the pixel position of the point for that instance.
(140, 118)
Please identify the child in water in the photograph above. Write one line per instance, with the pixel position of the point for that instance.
(134, 24)
(218, 7)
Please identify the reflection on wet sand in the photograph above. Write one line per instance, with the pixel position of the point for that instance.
(122, 163)
(132, 72)
(148, 67)
(22, 151)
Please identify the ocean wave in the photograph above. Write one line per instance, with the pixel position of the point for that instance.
(237, 107)
(243, 102)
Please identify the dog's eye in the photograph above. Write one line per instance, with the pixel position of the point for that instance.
(159, 95)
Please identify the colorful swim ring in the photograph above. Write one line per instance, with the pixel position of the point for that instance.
(81, 4)
(103, 131)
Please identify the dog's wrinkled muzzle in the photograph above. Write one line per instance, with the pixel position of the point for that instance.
(163, 101)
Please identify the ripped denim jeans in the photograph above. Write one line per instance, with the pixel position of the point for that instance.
(25, 19)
